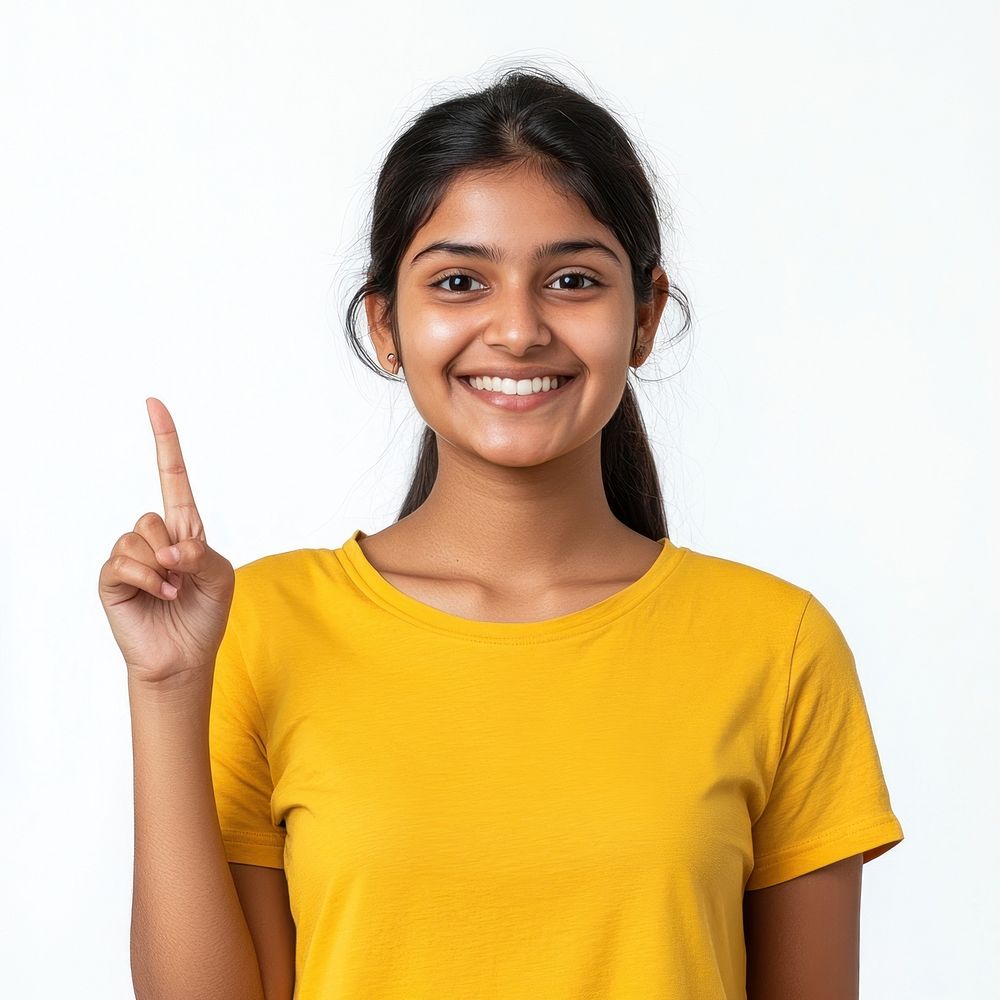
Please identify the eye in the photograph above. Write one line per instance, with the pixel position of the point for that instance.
(569, 274)
(577, 274)
(450, 277)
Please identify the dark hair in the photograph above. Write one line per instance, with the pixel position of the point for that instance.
(531, 117)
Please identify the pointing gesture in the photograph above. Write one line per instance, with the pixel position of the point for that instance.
(180, 512)
(166, 593)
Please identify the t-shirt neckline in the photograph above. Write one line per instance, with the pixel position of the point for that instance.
(377, 587)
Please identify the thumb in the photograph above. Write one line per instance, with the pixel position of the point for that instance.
(198, 559)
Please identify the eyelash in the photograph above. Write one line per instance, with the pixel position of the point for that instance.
(462, 274)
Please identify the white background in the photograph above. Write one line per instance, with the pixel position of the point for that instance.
(183, 190)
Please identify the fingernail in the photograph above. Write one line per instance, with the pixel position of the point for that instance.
(170, 554)
(168, 590)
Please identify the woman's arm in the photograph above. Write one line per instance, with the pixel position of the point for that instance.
(803, 935)
(189, 936)
(264, 897)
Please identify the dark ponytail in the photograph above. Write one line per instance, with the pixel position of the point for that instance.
(527, 116)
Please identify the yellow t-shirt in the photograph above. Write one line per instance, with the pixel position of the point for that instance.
(569, 808)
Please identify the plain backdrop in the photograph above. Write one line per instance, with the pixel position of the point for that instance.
(183, 194)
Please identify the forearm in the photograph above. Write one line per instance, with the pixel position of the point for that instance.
(189, 937)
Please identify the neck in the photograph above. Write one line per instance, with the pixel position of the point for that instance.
(521, 521)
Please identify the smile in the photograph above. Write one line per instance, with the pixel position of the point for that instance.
(519, 404)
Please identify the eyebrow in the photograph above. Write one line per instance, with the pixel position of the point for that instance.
(490, 251)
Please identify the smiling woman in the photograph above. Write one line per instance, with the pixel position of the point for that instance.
(545, 290)
(519, 743)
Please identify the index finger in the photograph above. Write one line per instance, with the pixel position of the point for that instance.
(179, 511)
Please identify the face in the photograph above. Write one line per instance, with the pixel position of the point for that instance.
(567, 311)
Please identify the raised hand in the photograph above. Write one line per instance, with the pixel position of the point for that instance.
(168, 614)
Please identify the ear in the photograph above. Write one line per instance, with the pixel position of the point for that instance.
(378, 327)
(648, 316)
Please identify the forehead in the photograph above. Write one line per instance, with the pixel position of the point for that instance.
(515, 209)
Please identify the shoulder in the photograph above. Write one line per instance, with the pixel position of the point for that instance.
(285, 583)
(277, 568)
(277, 563)
(741, 591)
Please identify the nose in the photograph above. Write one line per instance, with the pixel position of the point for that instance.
(517, 322)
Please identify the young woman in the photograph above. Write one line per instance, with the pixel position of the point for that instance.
(517, 744)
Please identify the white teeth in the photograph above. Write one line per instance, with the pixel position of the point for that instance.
(510, 387)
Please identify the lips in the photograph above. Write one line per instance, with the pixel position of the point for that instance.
(562, 378)
(534, 371)
(517, 403)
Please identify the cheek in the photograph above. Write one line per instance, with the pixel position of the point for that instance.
(605, 357)
(602, 393)
(433, 344)
(441, 334)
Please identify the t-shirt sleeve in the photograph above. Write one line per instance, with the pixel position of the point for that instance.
(241, 774)
(828, 800)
